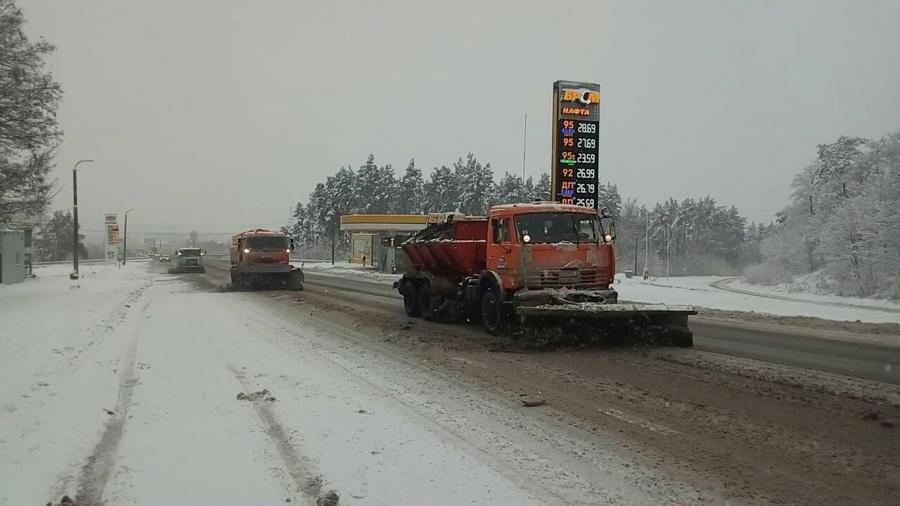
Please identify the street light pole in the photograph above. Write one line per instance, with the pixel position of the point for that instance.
(667, 251)
(646, 243)
(75, 217)
(125, 239)
(635, 251)
(333, 232)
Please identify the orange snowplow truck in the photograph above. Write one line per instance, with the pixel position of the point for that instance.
(538, 264)
(262, 259)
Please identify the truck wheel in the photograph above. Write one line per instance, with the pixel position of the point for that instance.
(423, 300)
(410, 304)
(491, 311)
(295, 281)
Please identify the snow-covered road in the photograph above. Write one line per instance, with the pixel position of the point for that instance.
(124, 390)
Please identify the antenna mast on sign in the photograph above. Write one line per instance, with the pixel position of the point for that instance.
(524, 145)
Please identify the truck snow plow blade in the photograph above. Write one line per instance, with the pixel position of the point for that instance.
(644, 321)
(600, 311)
(185, 269)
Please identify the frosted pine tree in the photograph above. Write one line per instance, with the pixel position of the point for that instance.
(441, 191)
(410, 194)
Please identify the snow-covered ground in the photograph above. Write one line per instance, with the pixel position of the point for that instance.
(698, 291)
(347, 269)
(136, 374)
(61, 347)
(790, 292)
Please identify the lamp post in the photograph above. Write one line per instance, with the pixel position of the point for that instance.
(635, 251)
(125, 239)
(667, 224)
(75, 217)
(333, 233)
(646, 244)
(667, 251)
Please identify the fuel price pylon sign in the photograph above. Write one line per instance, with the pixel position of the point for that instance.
(576, 131)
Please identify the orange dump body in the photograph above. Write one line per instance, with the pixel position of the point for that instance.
(454, 250)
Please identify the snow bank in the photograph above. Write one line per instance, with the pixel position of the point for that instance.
(349, 270)
(698, 291)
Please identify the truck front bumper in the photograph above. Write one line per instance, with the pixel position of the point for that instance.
(564, 296)
(262, 269)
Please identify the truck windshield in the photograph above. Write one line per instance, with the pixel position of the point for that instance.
(558, 227)
(267, 243)
(190, 252)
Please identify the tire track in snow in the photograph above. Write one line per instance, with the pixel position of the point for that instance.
(95, 473)
(299, 468)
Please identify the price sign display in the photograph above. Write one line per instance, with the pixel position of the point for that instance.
(112, 234)
(576, 123)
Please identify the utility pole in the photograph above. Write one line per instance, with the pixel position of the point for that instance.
(635, 251)
(125, 239)
(667, 225)
(647, 244)
(333, 233)
(667, 251)
(75, 248)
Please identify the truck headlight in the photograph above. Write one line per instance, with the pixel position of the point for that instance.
(246, 250)
(607, 238)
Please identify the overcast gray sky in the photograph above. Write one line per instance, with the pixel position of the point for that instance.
(220, 115)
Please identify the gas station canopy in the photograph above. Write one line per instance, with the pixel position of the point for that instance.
(383, 222)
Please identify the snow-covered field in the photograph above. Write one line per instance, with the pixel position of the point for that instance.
(137, 374)
(698, 291)
(791, 293)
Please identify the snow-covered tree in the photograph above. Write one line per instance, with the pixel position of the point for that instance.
(609, 198)
(375, 188)
(476, 181)
(53, 241)
(542, 189)
(843, 219)
(411, 191)
(441, 191)
(29, 133)
(510, 189)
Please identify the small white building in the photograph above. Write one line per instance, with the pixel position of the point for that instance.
(12, 256)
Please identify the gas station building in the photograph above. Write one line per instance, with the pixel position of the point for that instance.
(375, 238)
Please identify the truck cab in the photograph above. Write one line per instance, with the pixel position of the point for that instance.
(547, 245)
(263, 258)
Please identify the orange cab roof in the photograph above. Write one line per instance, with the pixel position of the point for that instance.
(542, 207)
(261, 231)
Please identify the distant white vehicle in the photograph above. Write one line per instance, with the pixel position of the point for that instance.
(188, 260)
